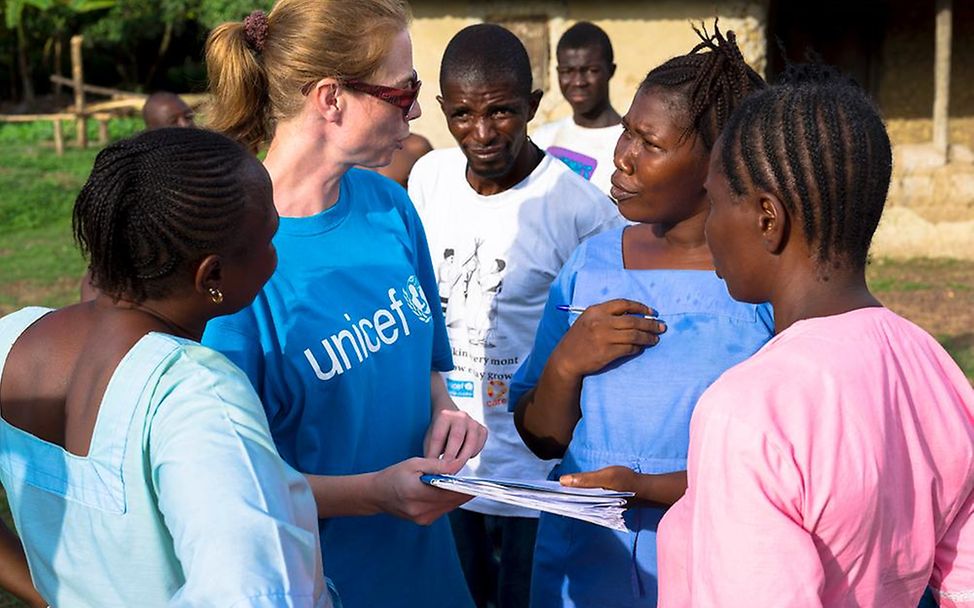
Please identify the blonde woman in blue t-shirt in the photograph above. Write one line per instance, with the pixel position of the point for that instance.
(343, 345)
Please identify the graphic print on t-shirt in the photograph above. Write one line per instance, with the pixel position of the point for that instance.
(416, 299)
(376, 330)
(579, 163)
(468, 289)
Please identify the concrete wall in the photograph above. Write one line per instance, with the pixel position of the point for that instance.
(643, 34)
(906, 72)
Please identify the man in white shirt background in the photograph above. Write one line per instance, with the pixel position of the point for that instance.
(501, 217)
(586, 140)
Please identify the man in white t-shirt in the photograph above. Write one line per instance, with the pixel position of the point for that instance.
(586, 140)
(501, 217)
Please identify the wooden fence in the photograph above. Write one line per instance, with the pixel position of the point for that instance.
(80, 112)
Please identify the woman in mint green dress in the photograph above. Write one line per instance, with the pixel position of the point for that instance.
(138, 463)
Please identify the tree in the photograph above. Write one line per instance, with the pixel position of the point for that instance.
(214, 12)
(14, 18)
(132, 27)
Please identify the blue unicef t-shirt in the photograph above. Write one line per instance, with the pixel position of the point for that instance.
(339, 345)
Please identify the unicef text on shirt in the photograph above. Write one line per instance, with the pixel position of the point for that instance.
(369, 334)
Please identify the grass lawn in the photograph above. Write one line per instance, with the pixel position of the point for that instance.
(40, 265)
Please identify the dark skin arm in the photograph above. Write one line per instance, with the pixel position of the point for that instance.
(546, 416)
(14, 575)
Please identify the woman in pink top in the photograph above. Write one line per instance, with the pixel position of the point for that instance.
(836, 466)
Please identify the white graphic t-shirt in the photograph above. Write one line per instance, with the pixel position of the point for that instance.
(587, 151)
(495, 257)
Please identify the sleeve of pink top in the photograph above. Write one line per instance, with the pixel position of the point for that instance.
(749, 547)
(953, 567)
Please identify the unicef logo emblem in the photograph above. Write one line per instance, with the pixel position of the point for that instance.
(415, 298)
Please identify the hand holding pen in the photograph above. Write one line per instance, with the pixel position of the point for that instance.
(579, 310)
(606, 332)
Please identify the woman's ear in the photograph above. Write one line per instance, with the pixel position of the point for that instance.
(209, 275)
(774, 222)
(327, 100)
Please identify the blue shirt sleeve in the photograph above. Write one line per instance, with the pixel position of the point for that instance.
(243, 523)
(442, 355)
(553, 325)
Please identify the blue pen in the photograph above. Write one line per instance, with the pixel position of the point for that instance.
(580, 310)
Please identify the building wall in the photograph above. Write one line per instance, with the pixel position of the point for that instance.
(906, 72)
(643, 33)
(646, 33)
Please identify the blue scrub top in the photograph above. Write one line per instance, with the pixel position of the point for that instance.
(635, 412)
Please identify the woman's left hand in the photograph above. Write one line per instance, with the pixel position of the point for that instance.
(618, 478)
(658, 489)
(453, 434)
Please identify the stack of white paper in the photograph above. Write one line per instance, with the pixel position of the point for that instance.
(594, 505)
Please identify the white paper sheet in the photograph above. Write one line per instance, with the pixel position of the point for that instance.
(594, 505)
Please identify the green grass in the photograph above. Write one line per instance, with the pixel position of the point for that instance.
(42, 132)
(962, 353)
(38, 255)
(961, 349)
(884, 284)
(39, 187)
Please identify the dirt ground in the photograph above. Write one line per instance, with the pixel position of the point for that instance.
(937, 295)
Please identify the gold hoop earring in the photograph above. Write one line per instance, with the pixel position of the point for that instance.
(216, 295)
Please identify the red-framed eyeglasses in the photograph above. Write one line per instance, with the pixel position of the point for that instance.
(404, 99)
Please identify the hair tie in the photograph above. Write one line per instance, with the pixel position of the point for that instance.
(255, 30)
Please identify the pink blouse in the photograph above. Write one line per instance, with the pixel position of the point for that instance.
(833, 468)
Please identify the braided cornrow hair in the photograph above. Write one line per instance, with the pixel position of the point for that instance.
(712, 78)
(818, 143)
(154, 204)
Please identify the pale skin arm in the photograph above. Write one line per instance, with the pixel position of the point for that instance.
(546, 416)
(453, 437)
(14, 575)
(396, 490)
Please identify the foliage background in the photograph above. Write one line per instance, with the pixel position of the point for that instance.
(136, 45)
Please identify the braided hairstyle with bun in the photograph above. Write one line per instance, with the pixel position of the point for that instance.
(156, 203)
(710, 82)
(818, 143)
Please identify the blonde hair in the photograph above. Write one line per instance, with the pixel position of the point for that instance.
(306, 40)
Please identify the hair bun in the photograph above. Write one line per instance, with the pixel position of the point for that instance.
(255, 30)
(813, 70)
